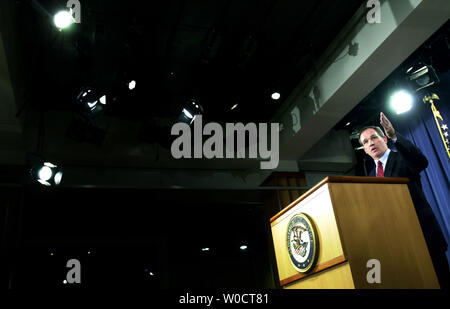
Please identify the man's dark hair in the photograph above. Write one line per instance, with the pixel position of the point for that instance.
(378, 129)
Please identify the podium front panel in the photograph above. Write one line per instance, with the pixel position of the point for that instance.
(319, 208)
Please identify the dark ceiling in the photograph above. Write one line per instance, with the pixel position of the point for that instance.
(218, 52)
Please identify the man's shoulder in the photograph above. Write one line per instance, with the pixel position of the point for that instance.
(404, 142)
(393, 153)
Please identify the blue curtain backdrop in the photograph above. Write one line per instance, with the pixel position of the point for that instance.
(419, 126)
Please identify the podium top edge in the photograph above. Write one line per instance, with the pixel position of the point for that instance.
(342, 179)
(357, 179)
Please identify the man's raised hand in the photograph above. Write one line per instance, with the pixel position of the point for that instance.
(387, 125)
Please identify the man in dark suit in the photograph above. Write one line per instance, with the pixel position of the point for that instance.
(408, 161)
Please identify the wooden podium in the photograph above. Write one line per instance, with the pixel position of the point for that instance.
(357, 219)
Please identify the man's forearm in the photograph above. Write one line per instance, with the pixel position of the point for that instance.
(411, 152)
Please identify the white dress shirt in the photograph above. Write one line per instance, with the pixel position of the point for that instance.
(383, 159)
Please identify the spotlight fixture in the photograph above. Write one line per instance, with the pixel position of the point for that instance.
(190, 110)
(276, 96)
(47, 174)
(132, 85)
(63, 19)
(422, 76)
(243, 247)
(90, 102)
(401, 102)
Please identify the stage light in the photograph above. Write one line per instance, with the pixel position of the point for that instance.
(276, 96)
(234, 106)
(47, 174)
(422, 76)
(243, 247)
(63, 19)
(88, 99)
(205, 249)
(190, 110)
(401, 102)
(132, 85)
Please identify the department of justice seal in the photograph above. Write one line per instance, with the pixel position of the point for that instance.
(302, 242)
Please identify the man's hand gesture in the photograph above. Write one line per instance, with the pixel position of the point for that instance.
(387, 125)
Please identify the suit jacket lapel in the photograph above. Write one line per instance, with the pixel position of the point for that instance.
(371, 169)
(390, 164)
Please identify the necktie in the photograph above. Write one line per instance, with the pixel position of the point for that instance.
(380, 172)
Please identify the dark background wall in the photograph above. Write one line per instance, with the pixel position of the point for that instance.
(120, 236)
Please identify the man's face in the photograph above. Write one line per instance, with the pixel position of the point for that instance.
(374, 145)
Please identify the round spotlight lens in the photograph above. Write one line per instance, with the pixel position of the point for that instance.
(132, 85)
(423, 80)
(276, 95)
(401, 102)
(45, 173)
(63, 19)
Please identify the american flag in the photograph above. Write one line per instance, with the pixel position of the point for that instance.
(441, 125)
(445, 133)
(443, 129)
